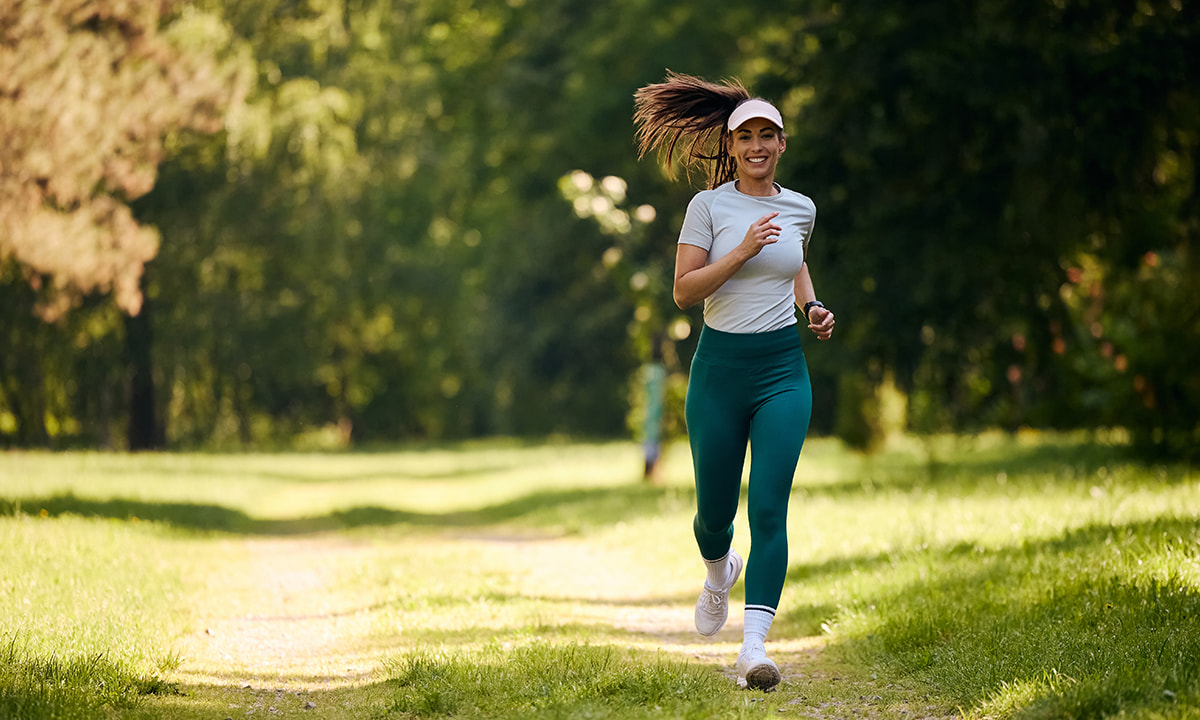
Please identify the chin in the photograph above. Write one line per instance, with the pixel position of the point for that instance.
(759, 175)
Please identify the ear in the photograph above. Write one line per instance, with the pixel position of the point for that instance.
(782, 143)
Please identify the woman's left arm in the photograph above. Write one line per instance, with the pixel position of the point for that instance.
(820, 318)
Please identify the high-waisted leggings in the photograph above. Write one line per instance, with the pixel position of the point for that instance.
(748, 388)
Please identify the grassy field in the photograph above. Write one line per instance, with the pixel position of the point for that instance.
(992, 576)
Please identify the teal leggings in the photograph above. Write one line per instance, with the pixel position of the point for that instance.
(748, 388)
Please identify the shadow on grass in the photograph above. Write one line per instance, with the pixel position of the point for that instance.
(968, 469)
(447, 475)
(570, 509)
(1040, 628)
(1023, 467)
(325, 476)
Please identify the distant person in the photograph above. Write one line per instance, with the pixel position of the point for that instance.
(741, 251)
(654, 379)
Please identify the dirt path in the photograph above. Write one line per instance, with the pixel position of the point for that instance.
(277, 617)
(277, 626)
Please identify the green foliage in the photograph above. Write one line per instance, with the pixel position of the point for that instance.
(962, 156)
(859, 417)
(57, 379)
(1132, 337)
(384, 239)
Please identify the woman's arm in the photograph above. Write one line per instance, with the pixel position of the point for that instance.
(695, 280)
(820, 319)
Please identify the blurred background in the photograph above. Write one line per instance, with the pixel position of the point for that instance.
(350, 223)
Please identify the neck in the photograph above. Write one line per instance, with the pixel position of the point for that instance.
(759, 188)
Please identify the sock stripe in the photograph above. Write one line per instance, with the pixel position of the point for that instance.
(758, 624)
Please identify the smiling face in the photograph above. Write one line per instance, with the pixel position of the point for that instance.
(755, 147)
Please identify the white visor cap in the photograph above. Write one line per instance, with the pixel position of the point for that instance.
(755, 108)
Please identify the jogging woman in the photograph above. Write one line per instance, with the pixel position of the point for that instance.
(741, 251)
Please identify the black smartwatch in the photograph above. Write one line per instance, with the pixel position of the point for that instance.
(810, 305)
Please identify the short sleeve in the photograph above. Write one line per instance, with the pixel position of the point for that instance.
(812, 221)
(697, 224)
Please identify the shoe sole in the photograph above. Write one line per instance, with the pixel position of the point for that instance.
(740, 564)
(763, 677)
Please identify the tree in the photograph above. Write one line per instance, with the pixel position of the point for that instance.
(964, 157)
(376, 245)
(89, 93)
(88, 90)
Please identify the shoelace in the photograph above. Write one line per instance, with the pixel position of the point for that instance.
(754, 652)
(713, 599)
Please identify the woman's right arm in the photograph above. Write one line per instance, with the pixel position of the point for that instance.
(695, 280)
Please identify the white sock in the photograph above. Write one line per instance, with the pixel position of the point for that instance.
(718, 571)
(757, 625)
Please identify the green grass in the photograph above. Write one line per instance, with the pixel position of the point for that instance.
(89, 616)
(993, 576)
(557, 681)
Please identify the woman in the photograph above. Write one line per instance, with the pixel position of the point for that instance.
(741, 251)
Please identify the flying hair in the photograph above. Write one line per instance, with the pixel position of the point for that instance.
(689, 110)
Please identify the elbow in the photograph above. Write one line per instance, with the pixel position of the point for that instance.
(682, 301)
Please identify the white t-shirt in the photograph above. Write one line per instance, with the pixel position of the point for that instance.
(761, 295)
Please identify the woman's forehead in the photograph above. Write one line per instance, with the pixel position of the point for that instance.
(756, 124)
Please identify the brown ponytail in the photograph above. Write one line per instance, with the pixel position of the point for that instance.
(692, 109)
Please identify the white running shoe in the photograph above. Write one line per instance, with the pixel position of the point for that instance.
(712, 609)
(755, 670)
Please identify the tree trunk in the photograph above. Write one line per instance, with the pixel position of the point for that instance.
(144, 431)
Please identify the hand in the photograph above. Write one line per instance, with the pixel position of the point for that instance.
(820, 321)
(762, 233)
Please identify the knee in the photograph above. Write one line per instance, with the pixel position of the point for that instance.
(713, 525)
(769, 521)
